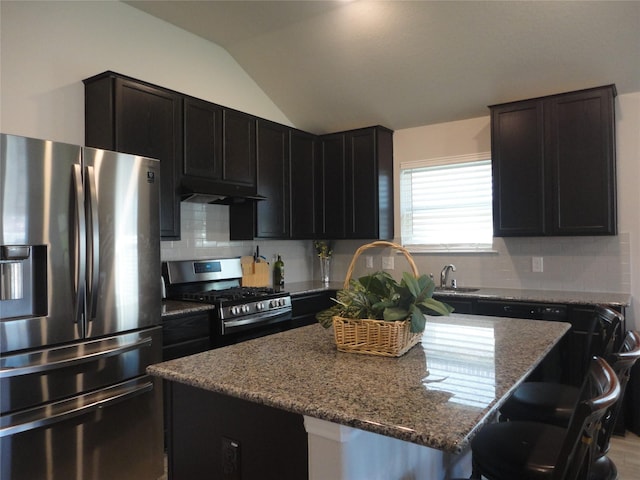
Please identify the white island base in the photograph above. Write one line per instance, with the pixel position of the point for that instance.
(337, 452)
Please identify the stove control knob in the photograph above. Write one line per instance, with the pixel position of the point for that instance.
(273, 304)
(282, 302)
(260, 306)
(245, 309)
(235, 310)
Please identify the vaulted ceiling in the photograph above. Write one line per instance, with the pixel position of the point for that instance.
(336, 65)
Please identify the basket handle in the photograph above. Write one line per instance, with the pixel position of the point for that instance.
(379, 243)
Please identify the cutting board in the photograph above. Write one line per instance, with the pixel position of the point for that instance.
(254, 274)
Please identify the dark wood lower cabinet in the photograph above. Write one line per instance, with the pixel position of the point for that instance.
(215, 436)
(305, 306)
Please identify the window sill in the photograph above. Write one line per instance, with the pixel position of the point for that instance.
(418, 249)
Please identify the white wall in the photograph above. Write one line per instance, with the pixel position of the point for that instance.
(48, 48)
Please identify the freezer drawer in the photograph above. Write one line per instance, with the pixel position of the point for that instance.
(48, 375)
(111, 433)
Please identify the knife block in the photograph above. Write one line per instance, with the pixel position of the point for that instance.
(254, 274)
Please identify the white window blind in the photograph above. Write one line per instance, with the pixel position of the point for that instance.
(446, 204)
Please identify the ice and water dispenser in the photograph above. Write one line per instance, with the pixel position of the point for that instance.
(22, 280)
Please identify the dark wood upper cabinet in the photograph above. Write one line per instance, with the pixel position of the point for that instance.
(554, 165)
(330, 208)
(369, 183)
(239, 149)
(581, 155)
(219, 150)
(305, 183)
(357, 187)
(272, 214)
(130, 116)
(517, 156)
(280, 182)
(202, 139)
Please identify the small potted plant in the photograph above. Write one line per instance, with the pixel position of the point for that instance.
(378, 315)
(324, 250)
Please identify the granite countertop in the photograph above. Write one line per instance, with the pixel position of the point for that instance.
(436, 395)
(176, 307)
(515, 294)
(545, 296)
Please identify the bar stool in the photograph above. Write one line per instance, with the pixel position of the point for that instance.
(532, 450)
(603, 467)
(554, 402)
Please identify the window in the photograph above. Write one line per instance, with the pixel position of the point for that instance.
(445, 204)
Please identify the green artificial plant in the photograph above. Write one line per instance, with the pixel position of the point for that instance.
(379, 296)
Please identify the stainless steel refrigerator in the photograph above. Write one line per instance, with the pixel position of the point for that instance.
(79, 313)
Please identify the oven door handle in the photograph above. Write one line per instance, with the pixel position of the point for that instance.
(264, 318)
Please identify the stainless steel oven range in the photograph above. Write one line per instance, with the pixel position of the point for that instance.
(240, 313)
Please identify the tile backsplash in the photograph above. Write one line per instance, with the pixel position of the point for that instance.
(205, 234)
(592, 264)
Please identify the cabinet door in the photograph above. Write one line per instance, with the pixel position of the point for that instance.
(128, 116)
(239, 149)
(361, 190)
(369, 183)
(581, 158)
(305, 183)
(148, 122)
(517, 148)
(304, 307)
(202, 139)
(331, 211)
(272, 219)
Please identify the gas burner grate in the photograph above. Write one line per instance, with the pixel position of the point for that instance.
(229, 294)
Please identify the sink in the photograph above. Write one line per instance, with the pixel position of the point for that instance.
(456, 289)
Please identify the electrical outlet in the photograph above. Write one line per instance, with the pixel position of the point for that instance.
(368, 261)
(387, 263)
(230, 459)
(537, 264)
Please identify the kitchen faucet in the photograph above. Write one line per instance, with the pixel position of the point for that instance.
(445, 273)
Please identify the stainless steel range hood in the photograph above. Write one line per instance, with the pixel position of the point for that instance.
(198, 190)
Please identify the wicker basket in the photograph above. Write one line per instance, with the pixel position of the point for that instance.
(375, 337)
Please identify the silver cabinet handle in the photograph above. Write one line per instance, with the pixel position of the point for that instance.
(73, 407)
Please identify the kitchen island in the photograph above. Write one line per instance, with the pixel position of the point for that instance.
(436, 396)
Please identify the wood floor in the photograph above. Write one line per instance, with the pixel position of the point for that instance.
(625, 452)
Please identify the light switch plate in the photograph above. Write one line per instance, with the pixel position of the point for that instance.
(369, 261)
(387, 263)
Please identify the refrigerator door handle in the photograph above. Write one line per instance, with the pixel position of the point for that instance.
(93, 245)
(44, 360)
(56, 412)
(79, 257)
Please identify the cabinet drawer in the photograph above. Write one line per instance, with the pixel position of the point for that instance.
(183, 328)
(190, 347)
(311, 303)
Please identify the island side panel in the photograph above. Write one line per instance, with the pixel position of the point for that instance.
(205, 428)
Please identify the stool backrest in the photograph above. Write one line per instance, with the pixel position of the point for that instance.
(600, 391)
(604, 331)
(621, 362)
